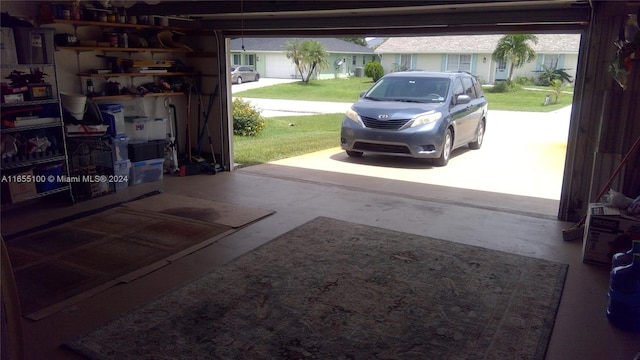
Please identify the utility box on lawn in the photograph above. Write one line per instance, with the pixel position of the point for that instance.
(608, 231)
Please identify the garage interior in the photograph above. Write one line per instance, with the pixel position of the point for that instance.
(605, 123)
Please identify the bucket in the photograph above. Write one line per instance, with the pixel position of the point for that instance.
(75, 104)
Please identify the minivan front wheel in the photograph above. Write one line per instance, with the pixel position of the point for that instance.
(446, 149)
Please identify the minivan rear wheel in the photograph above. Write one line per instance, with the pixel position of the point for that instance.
(239, 81)
(475, 145)
(447, 144)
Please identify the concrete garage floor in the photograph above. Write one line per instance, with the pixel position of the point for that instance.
(581, 330)
(471, 201)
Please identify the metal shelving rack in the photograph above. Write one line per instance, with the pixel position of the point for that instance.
(13, 165)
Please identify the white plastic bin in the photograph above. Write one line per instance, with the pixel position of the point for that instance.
(158, 129)
(137, 128)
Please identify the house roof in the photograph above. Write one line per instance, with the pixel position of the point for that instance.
(547, 43)
(332, 45)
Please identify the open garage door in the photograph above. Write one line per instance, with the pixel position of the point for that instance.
(595, 19)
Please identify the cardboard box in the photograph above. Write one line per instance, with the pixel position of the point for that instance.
(607, 232)
(20, 190)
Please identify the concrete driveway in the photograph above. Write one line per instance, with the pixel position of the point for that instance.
(523, 153)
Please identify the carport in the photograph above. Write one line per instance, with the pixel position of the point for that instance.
(604, 121)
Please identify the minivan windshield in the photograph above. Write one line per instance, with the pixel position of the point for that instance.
(409, 89)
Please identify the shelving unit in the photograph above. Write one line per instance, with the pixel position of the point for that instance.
(45, 120)
(85, 73)
(119, 25)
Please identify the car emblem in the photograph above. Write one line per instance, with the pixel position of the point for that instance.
(383, 116)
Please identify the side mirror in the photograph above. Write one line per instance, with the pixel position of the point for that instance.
(362, 93)
(463, 99)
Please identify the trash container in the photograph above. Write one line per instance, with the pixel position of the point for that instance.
(359, 72)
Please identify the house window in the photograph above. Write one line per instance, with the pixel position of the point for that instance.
(353, 60)
(458, 62)
(550, 61)
(250, 60)
(405, 61)
(237, 59)
(363, 59)
(501, 65)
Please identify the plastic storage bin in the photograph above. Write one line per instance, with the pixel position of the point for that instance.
(121, 171)
(158, 129)
(47, 171)
(137, 128)
(139, 151)
(120, 148)
(113, 115)
(146, 171)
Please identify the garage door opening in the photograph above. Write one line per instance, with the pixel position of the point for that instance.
(523, 153)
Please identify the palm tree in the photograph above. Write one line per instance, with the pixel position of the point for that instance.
(315, 56)
(515, 49)
(294, 52)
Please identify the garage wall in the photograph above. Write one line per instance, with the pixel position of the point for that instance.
(604, 119)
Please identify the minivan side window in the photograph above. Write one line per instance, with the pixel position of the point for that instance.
(458, 89)
(468, 87)
(478, 88)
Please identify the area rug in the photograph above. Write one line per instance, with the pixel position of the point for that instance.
(59, 266)
(331, 289)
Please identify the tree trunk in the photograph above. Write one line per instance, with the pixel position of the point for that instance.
(313, 67)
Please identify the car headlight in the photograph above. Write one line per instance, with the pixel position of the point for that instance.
(353, 116)
(426, 118)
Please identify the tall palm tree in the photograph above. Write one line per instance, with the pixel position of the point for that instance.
(516, 50)
(294, 52)
(315, 55)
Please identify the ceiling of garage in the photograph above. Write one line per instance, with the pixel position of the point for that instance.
(371, 17)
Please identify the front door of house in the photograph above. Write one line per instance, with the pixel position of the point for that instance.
(501, 70)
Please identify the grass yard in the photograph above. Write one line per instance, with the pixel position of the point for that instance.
(338, 90)
(279, 140)
(348, 90)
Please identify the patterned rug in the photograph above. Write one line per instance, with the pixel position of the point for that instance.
(331, 289)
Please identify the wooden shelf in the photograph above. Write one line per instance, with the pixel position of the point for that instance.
(135, 74)
(121, 49)
(120, 25)
(126, 97)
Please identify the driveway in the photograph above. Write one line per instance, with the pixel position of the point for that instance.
(523, 154)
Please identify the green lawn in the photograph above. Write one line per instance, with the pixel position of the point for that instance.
(279, 140)
(338, 90)
(348, 90)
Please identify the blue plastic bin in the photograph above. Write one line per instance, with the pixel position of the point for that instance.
(113, 115)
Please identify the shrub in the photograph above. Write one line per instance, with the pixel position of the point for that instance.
(504, 86)
(247, 120)
(374, 70)
(548, 74)
(524, 81)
